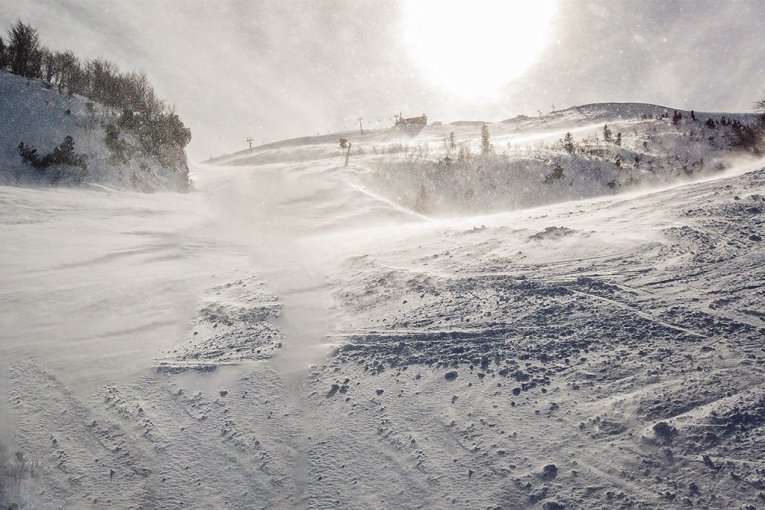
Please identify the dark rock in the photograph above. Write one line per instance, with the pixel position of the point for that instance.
(450, 375)
(549, 472)
(664, 432)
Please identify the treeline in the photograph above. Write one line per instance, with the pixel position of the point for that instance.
(155, 124)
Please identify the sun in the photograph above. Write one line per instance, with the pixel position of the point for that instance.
(473, 48)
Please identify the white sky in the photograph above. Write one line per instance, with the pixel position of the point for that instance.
(276, 69)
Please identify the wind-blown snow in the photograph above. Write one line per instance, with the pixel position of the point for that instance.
(295, 335)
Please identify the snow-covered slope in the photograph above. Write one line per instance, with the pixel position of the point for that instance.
(39, 116)
(441, 171)
(293, 336)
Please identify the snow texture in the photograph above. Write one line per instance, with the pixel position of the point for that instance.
(295, 335)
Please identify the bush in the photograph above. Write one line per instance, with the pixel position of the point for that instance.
(747, 137)
(556, 175)
(62, 155)
(121, 150)
(15, 470)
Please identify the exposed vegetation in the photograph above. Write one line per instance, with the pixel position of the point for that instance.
(62, 155)
(15, 470)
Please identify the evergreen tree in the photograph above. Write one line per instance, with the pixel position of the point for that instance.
(452, 144)
(606, 133)
(618, 139)
(568, 143)
(3, 56)
(485, 140)
(24, 49)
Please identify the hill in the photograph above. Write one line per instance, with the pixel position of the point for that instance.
(68, 121)
(612, 147)
(35, 114)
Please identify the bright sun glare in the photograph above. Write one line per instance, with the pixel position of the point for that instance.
(473, 48)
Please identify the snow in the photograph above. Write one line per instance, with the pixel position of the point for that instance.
(293, 334)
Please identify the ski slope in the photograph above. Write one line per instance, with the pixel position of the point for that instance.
(294, 335)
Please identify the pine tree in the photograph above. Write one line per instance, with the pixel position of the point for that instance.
(452, 144)
(24, 49)
(606, 133)
(568, 143)
(618, 139)
(3, 51)
(485, 140)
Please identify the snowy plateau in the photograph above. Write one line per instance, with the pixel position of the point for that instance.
(426, 327)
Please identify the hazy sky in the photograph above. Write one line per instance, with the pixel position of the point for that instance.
(275, 69)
